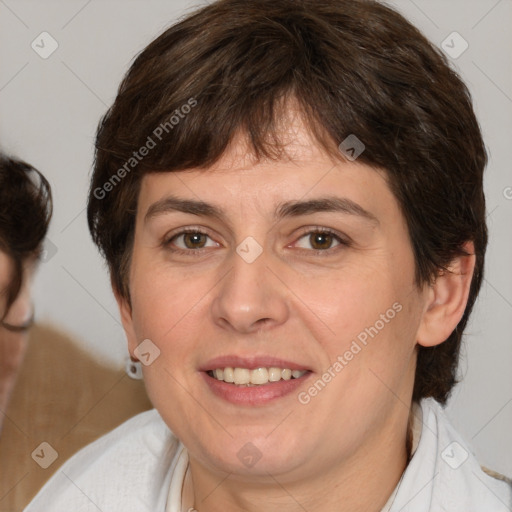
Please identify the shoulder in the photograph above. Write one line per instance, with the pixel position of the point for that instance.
(460, 480)
(497, 476)
(124, 470)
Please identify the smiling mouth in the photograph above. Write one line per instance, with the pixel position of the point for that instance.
(257, 377)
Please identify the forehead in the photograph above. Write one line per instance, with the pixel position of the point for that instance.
(304, 171)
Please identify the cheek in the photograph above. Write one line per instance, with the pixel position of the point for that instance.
(350, 302)
(161, 298)
(372, 317)
(168, 308)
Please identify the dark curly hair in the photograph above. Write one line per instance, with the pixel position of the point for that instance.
(25, 213)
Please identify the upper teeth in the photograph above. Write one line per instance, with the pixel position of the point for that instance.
(242, 376)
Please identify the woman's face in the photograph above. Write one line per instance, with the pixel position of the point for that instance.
(12, 344)
(303, 264)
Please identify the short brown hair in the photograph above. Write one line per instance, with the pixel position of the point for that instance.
(354, 67)
(25, 212)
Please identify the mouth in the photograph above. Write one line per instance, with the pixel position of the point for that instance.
(253, 381)
(245, 377)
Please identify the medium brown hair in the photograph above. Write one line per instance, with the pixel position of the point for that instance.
(25, 212)
(354, 67)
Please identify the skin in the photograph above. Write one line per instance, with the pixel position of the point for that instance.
(347, 445)
(13, 345)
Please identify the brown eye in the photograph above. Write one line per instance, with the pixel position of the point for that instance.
(189, 241)
(319, 240)
(194, 240)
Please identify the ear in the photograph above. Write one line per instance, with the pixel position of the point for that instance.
(125, 311)
(447, 299)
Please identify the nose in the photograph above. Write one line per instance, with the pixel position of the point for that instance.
(250, 297)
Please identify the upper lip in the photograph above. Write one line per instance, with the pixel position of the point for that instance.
(250, 362)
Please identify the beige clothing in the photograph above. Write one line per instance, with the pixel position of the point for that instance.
(62, 397)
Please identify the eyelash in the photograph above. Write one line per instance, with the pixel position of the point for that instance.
(198, 231)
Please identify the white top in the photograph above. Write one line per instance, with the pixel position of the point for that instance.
(141, 466)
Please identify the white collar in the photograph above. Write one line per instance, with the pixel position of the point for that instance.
(174, 497)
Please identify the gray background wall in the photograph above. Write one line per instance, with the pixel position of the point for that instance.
(49, 110)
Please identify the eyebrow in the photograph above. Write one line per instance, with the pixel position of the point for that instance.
(283, 210)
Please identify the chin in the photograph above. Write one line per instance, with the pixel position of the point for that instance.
(255, 456)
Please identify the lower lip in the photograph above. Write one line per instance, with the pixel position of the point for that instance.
(253, 395)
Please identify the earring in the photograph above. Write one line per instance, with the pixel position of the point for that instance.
(133, 369)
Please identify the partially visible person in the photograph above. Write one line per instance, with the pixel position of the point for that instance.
(25, 212)
(51, 391)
